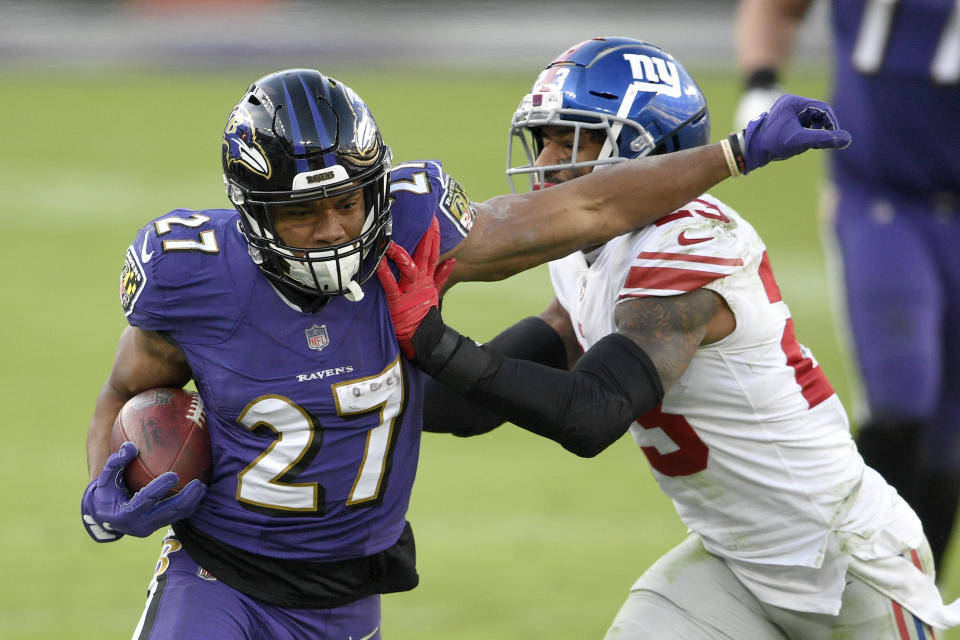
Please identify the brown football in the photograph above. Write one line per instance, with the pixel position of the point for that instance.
(169, 427)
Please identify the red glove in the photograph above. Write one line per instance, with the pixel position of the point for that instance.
(418, 289)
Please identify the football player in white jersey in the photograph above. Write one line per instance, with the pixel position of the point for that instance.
(677, 333)
(890, 223)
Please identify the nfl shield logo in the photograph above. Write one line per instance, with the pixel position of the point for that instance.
(317, 337)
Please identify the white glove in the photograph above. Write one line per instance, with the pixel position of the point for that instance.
(754, 102)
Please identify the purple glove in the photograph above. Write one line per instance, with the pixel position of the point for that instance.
(109, 512)
(793, 125)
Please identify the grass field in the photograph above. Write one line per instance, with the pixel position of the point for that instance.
(517, 539)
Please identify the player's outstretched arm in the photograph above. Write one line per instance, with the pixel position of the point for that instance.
(144, 360)
(516, 232)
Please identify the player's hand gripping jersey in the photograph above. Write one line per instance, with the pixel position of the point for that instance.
(752, 444)
(314, 419)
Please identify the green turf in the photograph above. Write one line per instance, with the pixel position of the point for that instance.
(516, 538)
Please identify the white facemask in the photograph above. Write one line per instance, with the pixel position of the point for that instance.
(326, 273)
(325, 270)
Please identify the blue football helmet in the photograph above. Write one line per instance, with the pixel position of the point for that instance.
(641, 99)
(298, 135)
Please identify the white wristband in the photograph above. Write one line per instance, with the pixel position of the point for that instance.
(728, 156)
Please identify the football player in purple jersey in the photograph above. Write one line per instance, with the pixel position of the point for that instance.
(315, 418)
(892, 220)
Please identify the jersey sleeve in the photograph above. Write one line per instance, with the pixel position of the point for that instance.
(686, 250)
(421, 190)
(175, 278)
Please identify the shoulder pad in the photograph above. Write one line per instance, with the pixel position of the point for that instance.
(422, 189)
(686, 250)
(177, 268)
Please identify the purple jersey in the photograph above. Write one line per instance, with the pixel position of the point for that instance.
(897, 90)
(315, 419)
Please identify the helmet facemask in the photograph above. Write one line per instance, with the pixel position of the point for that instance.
(327, 270)
(525, 132)
(334, 270)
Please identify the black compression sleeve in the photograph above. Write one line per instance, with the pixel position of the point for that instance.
(531, 339)
(446, 411)
(585, 409)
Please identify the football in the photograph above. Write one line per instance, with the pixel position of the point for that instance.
(169, 427)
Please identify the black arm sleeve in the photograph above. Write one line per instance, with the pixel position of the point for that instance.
(446, 411)
(585, 410)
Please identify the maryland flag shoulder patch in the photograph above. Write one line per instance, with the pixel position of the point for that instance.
(132, 280)
(456, 206)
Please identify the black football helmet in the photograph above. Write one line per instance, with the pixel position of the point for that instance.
(298, 135)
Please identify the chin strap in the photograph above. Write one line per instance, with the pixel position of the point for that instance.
(355, 293)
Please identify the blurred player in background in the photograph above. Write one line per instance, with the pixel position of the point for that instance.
(893, 211)
(681, 322)
(315, 419)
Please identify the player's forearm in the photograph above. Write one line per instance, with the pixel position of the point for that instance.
(639, 192)
(515, 233)
(109, 403)
(144, 360)
(766, 31)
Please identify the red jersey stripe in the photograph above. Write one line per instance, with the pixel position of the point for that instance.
(901, 623)
(670, 217)
(916, 559)
(769, 282)
(687, 257)
(717, 213)
(922, 628)
(667, 278)
(813, 383)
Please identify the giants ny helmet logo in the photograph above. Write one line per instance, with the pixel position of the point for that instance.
(654, 74)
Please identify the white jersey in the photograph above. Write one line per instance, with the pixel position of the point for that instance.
(751, 443)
